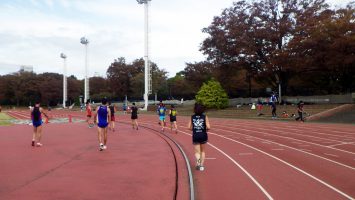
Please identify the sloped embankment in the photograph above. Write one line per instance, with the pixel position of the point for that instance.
(341, 114)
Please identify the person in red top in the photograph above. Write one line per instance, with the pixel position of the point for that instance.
(89, 114)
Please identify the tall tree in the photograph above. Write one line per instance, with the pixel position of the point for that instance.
(324, 47)
(255, 36)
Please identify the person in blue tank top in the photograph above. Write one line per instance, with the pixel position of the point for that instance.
(199, 124)
(161, 112)
(102, 118)
(36, 117)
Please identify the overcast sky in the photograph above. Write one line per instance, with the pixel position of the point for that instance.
(35, 32)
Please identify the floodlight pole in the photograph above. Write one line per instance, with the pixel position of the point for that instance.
(85, 42)
(62, 55)
(146, 53)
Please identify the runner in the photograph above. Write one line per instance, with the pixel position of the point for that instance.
(161, 112)
(89, 114)
(113, 110)
(199, 124)
(124, 107)
(300, 111)
(273, 101)
(134, 116)
(172, 114)
(36, 116)
(102, 118)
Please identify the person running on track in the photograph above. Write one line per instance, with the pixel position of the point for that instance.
(273, 101)
(89, 114)
(300, 111)
(172, 114)
(36, 116)
(102, 118)
(112, 110)
(134, 116)
(161, 112)
(199, 124)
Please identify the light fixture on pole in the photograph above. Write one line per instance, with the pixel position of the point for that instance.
(147, 77)
(62, 55)
(85, 42)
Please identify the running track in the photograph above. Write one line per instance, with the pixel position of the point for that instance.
(249, 159)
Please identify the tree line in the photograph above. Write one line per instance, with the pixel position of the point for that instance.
(304, 46)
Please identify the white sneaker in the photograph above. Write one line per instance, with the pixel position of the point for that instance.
(39, 144)
(202, 168)
(101, 147)
(104, 147)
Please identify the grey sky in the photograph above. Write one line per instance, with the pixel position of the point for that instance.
(35, 32)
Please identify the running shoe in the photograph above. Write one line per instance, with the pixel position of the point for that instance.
(101, 147)
(39, 144)
(104, 147)
(202, 168)
(33, 143)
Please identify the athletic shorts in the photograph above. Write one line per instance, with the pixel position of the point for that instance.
(134, 117)
(113, 118)
(89, 116)
(172, 119)
(102, 124)
(199, 138)
(162, 118)
(37, 123)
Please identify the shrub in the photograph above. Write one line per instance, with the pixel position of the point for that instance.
(212, 95)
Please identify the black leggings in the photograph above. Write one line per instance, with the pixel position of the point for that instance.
(300, 116)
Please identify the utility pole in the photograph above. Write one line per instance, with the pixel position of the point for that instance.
(147, 76)
(62, 55)
(85, 42)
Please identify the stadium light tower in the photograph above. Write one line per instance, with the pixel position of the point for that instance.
(85, 42)
(62, 55)
(147, 77)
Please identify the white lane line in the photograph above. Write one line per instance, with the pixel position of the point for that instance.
(306, 150)
(266, 142)
(250, 140)
(295, 142)
(292, 166)
(296, 130)
(210, 158)
(245, 154)
(245, 171)
(236, 163)
(334, 145)
(333, 155)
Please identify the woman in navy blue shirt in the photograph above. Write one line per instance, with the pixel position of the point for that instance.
(199, 124)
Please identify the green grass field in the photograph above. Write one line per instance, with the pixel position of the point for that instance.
(245, 111)
(4, 119)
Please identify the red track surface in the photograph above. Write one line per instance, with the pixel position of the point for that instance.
(246, 159)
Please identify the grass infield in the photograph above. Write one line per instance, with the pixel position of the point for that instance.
(4, 119)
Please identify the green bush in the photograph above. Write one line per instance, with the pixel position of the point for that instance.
(212, 95)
